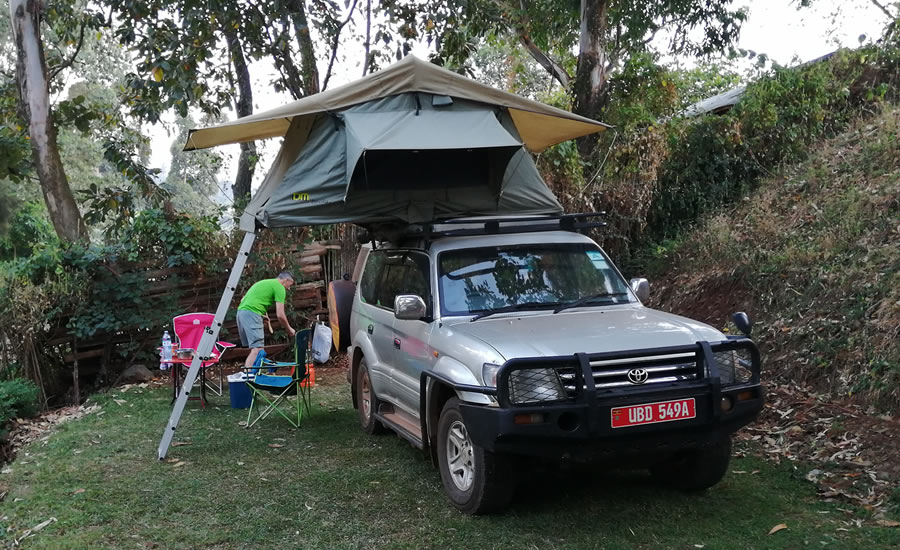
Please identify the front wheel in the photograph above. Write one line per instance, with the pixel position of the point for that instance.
(477, 481)
(697, 469)
(367, 401)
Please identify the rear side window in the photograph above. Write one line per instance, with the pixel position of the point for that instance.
(390, 273)
(369, 282)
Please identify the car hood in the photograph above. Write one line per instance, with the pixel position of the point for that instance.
(544, 334)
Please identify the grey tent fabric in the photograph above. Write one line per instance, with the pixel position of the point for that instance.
(401, 158)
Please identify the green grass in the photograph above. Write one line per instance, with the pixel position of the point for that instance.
(331, 486)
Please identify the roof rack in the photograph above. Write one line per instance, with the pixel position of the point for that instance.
(486, 226)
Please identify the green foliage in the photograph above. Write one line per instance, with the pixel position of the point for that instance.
(95, 289)
(640, 94)
(114, 205)
(178, 239)
(29, 230)
(117, 299)
(15, 162)
(713, 160)
(18, 399)
(76, 112)
(708, 165)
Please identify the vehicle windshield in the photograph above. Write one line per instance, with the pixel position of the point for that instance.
(540, 276)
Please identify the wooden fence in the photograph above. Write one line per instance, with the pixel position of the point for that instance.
(185, 289)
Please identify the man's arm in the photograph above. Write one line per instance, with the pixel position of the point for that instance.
(279, 312)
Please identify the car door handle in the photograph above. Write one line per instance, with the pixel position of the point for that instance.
(397, 343)
(371, 329)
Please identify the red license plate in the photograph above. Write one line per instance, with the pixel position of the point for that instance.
(653, 413)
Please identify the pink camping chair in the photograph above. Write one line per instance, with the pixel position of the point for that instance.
(189, 330)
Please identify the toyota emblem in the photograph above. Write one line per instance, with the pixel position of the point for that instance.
(638, 376)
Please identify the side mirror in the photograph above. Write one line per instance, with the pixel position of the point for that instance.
(409, 307)
(742, 322)
(641, 288)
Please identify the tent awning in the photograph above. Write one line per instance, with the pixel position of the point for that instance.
(539, 125)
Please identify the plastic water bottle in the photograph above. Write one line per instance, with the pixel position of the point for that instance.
(166, 350)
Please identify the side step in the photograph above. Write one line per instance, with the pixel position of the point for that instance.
(406, 426)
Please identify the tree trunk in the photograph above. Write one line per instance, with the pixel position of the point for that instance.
(244, 107)
(307, 52)
(34, 109)
(592, 75)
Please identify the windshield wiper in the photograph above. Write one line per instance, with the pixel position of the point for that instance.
(581, 301)
(514, 307)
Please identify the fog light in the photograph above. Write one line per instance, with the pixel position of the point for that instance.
(727, 403)
(536, 418)
(745, 395)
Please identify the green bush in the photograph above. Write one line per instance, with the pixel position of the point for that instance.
(18, 399)
(93, 289)
(713, 160)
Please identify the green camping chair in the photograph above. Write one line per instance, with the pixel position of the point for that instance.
(274, 390)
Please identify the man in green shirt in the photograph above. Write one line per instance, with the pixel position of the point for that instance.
(253, 307)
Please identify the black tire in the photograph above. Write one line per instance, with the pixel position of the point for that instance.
(697, 469)
(367, 401)
(489, 484)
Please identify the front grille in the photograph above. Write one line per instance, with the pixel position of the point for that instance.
(658, 369)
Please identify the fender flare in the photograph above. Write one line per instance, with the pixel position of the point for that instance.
(437, 393)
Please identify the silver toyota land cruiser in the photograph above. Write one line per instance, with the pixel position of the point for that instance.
(485, 341)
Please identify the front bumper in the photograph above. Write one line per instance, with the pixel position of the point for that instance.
(584, 431)
(580, 424)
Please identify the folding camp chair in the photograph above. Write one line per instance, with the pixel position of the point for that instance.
(274, 390)
(189, 329)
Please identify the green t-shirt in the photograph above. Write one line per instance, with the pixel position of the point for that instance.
(261, 295)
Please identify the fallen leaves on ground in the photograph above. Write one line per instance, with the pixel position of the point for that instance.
(777, 528)
(852, 450)
(23, 431)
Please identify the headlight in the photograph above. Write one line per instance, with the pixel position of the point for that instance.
(735, 367)
(489, 374)
(535, 385)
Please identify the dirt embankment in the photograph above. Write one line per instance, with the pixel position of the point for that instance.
(814, 256)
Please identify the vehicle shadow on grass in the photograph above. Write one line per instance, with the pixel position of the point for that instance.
(548, 487)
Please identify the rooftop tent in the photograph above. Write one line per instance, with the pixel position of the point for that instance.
(412, 157)
(412, 142)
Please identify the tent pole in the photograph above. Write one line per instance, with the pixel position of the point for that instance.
(204, 348)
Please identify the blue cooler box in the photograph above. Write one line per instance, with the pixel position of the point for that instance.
(239, 394)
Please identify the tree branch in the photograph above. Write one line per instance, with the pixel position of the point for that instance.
(521, 25)
(308, 69)
(884, 10)
(552, 67)
(334, 46)
(368, 35)
(293, 81)
(68, 63)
